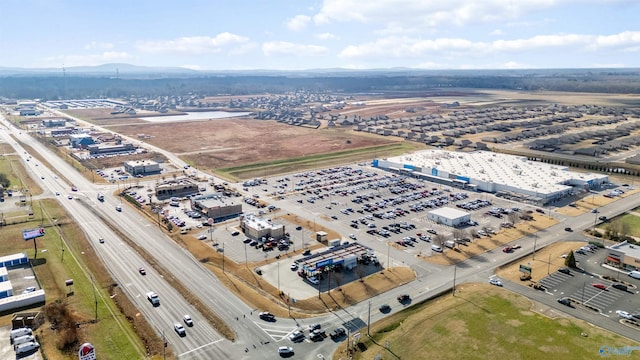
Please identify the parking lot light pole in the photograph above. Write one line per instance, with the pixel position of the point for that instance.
(583, 285)
(245, 254)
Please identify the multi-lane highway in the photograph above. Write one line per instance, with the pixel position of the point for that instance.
(254, 337)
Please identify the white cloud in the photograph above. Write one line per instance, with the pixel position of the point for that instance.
(327, 36)
(98, 45)
(298, 22)
(274, 48)
(192, 67)
(406, 47)
(193, 44)
(496, 32)
(514, 65)
(420, 14)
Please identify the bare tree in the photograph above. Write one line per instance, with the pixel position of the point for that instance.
(458, 234)
(439, 239)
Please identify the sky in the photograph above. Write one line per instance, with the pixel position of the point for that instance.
(321, 34)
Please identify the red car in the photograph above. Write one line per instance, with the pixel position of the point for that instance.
(599, 286)
(507, 249)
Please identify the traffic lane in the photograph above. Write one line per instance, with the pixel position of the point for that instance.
(137, 285)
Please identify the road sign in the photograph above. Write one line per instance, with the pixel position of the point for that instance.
(87, 352)
(525, 269)
(356, 336)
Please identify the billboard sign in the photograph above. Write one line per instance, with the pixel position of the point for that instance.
(525, 269)
(32, 233)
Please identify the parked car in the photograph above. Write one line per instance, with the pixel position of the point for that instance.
(599, 286)
(565, 270)
(293, 266)
(622, 287)
(314, 280)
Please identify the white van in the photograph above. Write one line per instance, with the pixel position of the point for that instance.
(635, 274)
(27, 347)
(16, 333)
(436, 248)
(23, 339)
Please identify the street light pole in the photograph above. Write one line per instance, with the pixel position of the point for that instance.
(223, 257)
(535, 239)
(583, 285)
(453, 290)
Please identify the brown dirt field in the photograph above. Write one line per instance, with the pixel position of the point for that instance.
(547, 260)
(483, 244)
(223, 143)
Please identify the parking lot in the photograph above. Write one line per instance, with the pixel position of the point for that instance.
(603, 297)
(385, 207)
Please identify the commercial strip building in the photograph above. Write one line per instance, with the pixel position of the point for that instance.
(216, 206)
(530, 181)
(175, 187)
(257, 228)
(449, 216)
(142, 167)
(623, 256)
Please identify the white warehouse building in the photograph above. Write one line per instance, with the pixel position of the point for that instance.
(449, 216)
(495, 173)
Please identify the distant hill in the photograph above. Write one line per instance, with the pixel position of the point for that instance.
(111, 70)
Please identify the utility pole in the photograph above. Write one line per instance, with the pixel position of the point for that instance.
(369, 320)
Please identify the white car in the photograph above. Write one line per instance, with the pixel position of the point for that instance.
(623, 314)
(202, 237)
(352, 236)
(294, 266)
(314, 280)
(285, 350)
(495, 282)
(179, 329)
(187, 320)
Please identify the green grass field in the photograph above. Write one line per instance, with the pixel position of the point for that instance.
(284, 166)
(483, 322)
